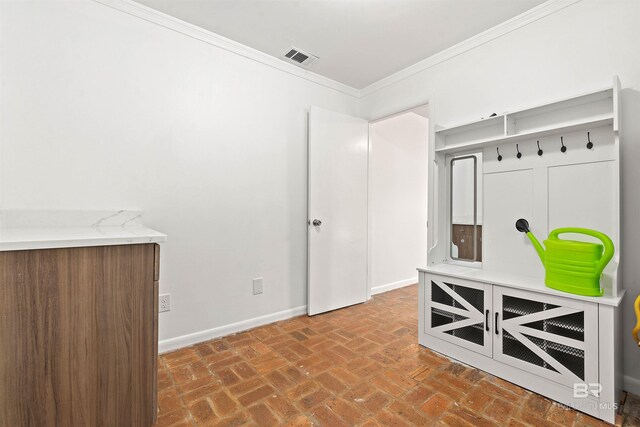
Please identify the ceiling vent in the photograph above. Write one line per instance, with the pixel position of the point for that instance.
(299, 57)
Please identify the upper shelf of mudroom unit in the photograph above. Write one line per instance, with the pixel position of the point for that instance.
(585, 111)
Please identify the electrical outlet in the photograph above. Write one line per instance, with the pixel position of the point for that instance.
(257, 285)
(164, 303)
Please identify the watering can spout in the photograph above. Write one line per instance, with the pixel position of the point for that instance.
(537, 245)
(522, 225)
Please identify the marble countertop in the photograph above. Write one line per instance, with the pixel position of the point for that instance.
(23, 230)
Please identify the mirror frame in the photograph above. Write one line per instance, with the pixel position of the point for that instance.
(475, 207)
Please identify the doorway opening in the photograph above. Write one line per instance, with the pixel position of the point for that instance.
(398, 156)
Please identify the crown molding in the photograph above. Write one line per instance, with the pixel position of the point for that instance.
(148, 14)
(492, 33)
(151, 15)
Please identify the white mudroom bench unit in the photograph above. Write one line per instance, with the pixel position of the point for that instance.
(483, 300)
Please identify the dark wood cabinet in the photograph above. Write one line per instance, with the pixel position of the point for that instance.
(78, 336)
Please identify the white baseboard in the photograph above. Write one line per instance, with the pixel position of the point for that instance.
(631, 385)
(395, 285)
(209, 334)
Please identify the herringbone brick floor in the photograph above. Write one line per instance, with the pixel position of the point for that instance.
(360, 366)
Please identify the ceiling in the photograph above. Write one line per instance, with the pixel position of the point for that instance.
(358, 41)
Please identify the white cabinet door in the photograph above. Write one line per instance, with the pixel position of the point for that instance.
(553, 337)
(458, 311)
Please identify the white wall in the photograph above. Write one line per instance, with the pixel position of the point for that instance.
(398, 204)
(103, 110)
(571, 51)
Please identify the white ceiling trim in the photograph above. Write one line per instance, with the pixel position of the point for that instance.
(151, 15)
(493, 33)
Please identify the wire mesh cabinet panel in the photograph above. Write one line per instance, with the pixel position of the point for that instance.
(555, 338)
(459, 311)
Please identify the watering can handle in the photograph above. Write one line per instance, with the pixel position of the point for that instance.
(606, 241)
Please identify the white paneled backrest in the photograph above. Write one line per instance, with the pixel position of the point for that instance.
(581, 195)
(577, 188)
(508, 196)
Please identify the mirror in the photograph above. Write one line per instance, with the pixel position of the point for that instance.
(466, 218)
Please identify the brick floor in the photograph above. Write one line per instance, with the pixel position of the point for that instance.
(359, 366)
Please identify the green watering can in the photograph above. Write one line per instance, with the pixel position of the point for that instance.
(572, 266)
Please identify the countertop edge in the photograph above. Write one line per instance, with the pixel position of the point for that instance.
(18, 239)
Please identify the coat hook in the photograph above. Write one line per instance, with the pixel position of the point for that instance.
(563, 148)
(589, 144)
(499, 156)
(539, 149)
(519, 155)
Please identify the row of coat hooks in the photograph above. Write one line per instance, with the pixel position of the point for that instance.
(563, 148)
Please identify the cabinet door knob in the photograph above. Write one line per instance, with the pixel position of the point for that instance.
(317, 223)
(496, 325)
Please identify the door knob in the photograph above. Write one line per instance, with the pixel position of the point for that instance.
(317, 223)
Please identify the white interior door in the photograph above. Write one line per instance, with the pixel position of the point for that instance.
(338, 151)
